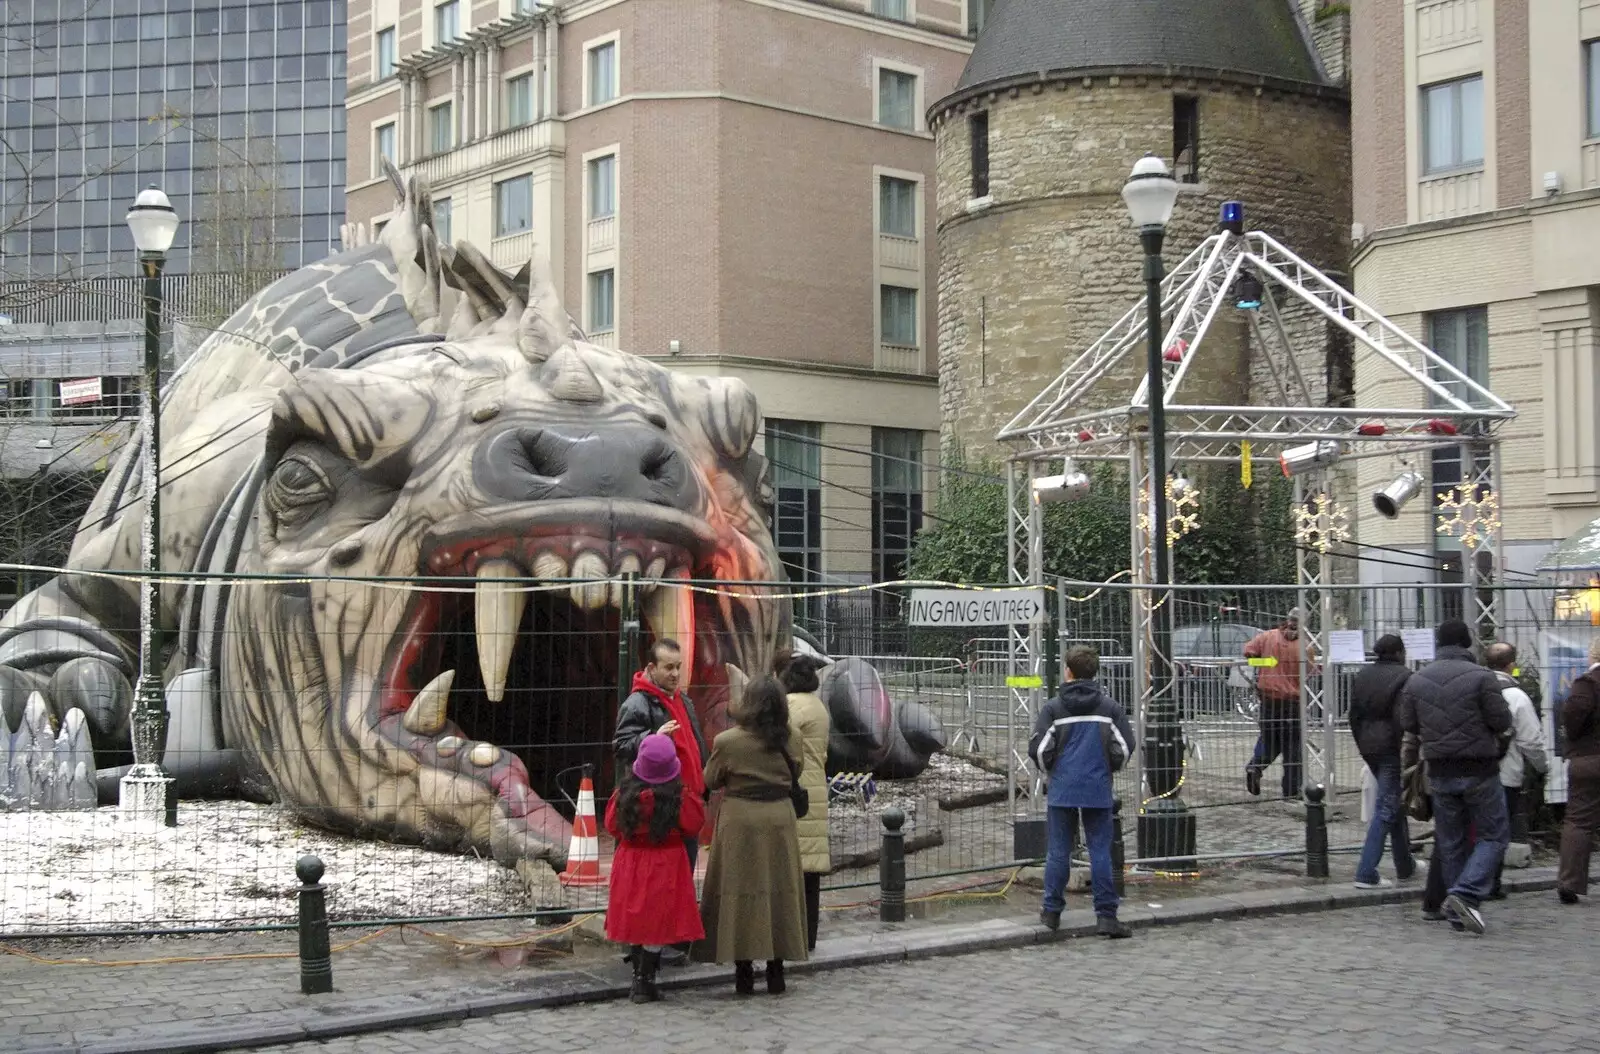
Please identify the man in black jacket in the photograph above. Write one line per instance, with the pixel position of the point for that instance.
(1374, 698)
(1455, 708)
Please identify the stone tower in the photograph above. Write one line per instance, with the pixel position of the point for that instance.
(1037, 256)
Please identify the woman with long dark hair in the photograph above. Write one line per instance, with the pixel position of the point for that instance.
(752, 903)
(809, 727)
(652, 888)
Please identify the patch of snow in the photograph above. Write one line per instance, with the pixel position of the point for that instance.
(225, 863)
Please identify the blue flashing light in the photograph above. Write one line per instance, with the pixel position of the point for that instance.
(1232, 217)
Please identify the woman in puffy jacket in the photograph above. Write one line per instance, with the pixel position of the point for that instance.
(809, 725)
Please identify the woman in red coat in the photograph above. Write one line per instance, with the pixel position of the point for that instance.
(652, 888)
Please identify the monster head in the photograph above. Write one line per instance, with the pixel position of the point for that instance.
(444, 710)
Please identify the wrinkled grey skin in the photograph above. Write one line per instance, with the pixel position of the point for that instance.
(389, 412)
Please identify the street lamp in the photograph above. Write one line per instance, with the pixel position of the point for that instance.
(154, 224)
(1166, 827)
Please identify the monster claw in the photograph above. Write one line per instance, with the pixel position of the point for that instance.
(101, 691)
(426, 716)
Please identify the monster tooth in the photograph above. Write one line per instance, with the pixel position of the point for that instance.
(426, 716)
(484, 754)
(629, 564)
(652, 574)
(549, 565)
(499, 611)
(590, 595)
(669, 612)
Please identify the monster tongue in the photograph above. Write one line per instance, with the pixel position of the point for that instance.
(498, 613)
(670, 613)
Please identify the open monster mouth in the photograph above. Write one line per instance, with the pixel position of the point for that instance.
(516, 683)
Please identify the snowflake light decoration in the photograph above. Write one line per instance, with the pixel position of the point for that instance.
(1183, 511)
(1320, 522)
(1472, 517)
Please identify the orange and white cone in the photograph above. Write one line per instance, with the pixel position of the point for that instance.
(583, 852)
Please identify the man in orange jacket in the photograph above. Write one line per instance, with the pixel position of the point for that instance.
(1278, 689)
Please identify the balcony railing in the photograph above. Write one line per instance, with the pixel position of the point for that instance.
(898, 252)
(1442, 197)
(1591, 164)
(512, 251)
(1445, 24)
(898, 358)
(602, 233)
(185, 297)
(606, 338)
(513, 144)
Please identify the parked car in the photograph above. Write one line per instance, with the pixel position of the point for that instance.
(1212, 677)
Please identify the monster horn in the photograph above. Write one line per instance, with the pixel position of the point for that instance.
(546, 327)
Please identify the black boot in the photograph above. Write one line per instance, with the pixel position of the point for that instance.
(744, 977)
(775, 985)
(1110, 926)
(639, 992)
(652, 963)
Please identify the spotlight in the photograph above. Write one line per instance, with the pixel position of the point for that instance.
(1181, 485)
(1247, 292)
(1304, 458)
(1392, 498)
(1071, 485)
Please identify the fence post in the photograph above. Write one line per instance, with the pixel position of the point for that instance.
(1316, 832)
(316, 964)
(1119, 855)
(892, 868)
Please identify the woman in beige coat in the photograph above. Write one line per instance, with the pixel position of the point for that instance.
(809, 725)
(752, 904)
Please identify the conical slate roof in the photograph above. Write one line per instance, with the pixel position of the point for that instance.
(1253, 37)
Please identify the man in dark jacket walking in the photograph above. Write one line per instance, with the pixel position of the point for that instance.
(1580, 724)
(1080, 739)
(1456, 710)
(1373, 699)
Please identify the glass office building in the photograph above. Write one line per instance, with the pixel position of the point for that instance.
(234, 107)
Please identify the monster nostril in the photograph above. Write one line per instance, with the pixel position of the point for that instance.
(656, 464)
(658, 420)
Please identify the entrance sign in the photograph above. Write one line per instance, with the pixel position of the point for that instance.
(977, 607)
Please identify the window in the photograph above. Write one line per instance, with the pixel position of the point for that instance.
(383, 147)
(977, 15)
(602, 301)
(447, 22)
(978, 130)
(441, 128)
(524, 7)
(899, 310)
(897, 207)
(519, 101)
(794, 454)
(896, 499)
(899, 10)
(602, 81)
(441, 219)
(897, 99)
(1186, 138)
(603, 187)
(513, 206)
(1461, 338)
(385, 49)
(19, 398)
(1452, 125)
(1591, 69)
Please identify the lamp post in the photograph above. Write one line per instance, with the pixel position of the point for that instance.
(153, 223)
(1166, 827)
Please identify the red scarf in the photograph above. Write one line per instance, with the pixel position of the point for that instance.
(694, 776)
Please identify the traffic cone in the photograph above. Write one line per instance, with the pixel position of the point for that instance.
(583, 852)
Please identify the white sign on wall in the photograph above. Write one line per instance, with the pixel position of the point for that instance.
(977, 607)
(84, 391)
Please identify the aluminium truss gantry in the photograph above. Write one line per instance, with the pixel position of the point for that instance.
(1083, 416)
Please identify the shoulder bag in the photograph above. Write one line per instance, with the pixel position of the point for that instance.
(799, 797)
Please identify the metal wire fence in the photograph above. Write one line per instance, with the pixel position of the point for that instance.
(427, 737)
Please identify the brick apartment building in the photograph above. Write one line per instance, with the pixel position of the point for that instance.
(736, 187)
(1476, 147)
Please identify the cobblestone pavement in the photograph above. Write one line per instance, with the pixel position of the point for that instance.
(1376, 980)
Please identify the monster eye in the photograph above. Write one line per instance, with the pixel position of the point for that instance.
(735, 416)
(297, 489)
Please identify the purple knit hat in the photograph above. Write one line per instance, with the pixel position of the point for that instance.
(657, 761)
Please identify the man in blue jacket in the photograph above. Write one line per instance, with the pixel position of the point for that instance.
(1080, 738)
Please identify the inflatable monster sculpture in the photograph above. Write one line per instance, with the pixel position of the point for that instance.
(399, 410)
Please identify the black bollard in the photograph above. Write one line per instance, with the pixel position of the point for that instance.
(171, 803)
(892, 868)
(316, 963)
(1119, 855)
(1316, 832)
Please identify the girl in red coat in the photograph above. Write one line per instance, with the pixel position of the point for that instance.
(652, 888)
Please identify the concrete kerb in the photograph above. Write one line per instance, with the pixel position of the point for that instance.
(547, 991)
